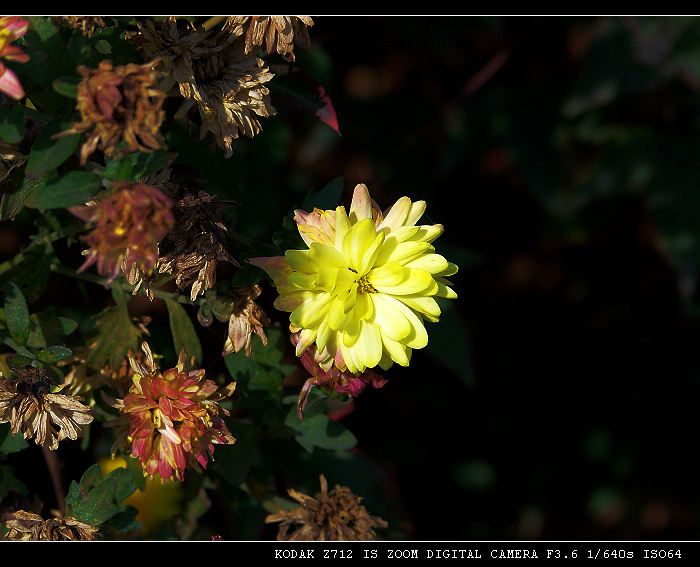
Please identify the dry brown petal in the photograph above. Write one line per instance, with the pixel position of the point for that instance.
(331, 516)
(28, 526)
(247, 319)
(48, 418)
(119, 104)
(274, 34)
(214, 75)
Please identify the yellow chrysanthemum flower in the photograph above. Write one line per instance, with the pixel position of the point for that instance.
(364, 287)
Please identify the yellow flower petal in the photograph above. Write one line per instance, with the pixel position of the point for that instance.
(398, 351)
(369, 345)
(432, 263)
(392, 321)
(402, 252)
(396, 216)
(360, 239)
(361, 205)
(424, 305)
(413, 281)
(310, 313)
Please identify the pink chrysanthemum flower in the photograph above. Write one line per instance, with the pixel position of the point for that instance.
(171, 420)
(11, 28)
(129, 223)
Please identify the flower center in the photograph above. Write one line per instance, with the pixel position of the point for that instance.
(363, 285)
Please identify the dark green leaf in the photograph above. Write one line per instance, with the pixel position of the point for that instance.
(8, 481)
(72, 188)
(103, 46)
(234, 463)
(93, 506)
(46, 330)
(125, 521)
(12, 123)
(16, 314)
(10, 443)
(321, 431)
(67, 86)
(325, 199)
(29, 270)
(48, 152)
(113, 335)
(18, 361)
(136, 165)
(53, 354)
(184, 334)
(125, 482)
(12, 200)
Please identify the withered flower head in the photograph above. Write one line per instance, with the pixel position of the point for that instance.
(197, 241)
(215, 76)
(129, 222)
(272, 33)
(30, 407)
(170, 421)
(119, 104)
(27, 526)
(86, 24)
(331, 516)
(246, 318)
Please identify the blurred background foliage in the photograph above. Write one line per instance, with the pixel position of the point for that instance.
(557, 397)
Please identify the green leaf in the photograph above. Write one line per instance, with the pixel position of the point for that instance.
(234, 465)
(92, 506)
(103, 46)
(67, 86)
(48, 152)
(325, 199)
(72, 188)
(53, 354)
(29, 270)
(136, 165)
(10, 443)
(9, 482)
(47, 330)
(12, 200)
(18, 361)
(16, 314)
(184, 334)
(12, 123)
(113, 335)
(318, 430)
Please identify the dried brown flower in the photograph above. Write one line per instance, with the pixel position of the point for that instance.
(247, 318)
(27, 526)
(272, 33)
(119, 104)
(30, 407)
(331, 516)
(197, 241)
(86, 24)
(215, 75)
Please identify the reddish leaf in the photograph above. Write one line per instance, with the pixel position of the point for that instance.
(297, 90)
